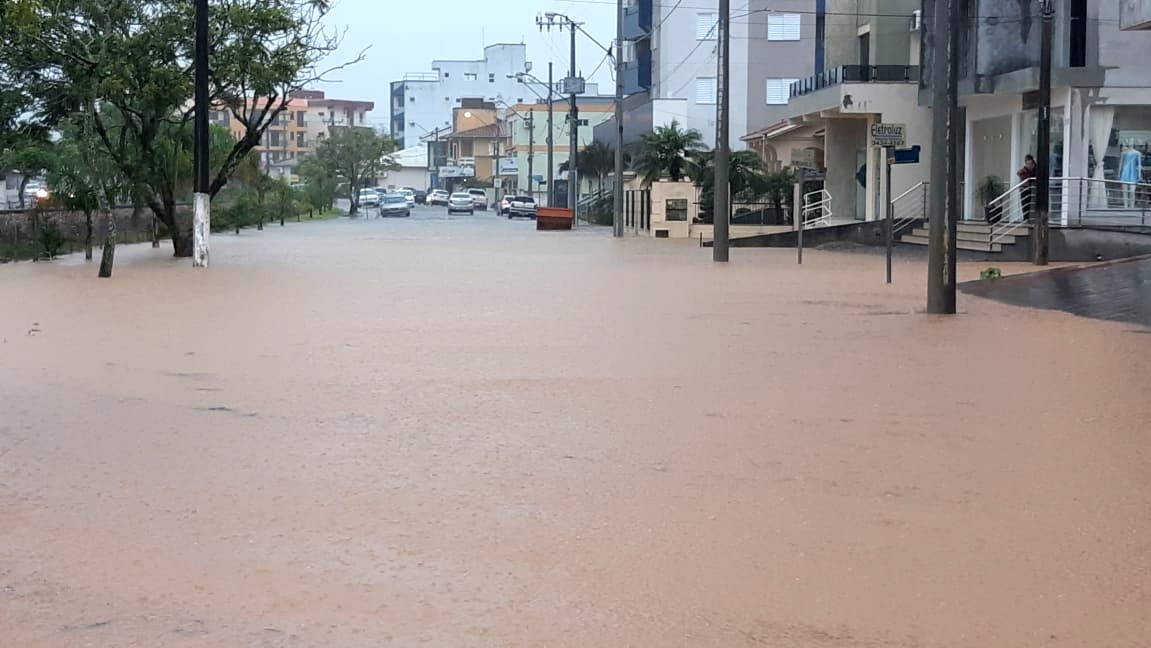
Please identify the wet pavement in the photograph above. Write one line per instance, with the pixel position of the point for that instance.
(1119, 291)
(457, 432)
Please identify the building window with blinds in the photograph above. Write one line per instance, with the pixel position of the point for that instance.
(778, 91)
(706, 26)
(783, 27)
(705, 92)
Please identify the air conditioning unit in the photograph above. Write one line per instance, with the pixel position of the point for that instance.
(916, 20)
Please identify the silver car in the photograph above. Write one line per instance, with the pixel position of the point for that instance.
(394, 204)
(461, 202)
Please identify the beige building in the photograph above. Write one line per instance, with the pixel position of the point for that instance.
(299, 128)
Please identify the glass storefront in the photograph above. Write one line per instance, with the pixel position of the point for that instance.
(1130, 130)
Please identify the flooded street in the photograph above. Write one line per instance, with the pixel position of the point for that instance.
(460, 432)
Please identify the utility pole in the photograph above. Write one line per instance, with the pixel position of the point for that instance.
(551, 140)
(573, 155)
(531, 152)
(941, 283)
(617, 188)
(722, 208)
(1040, 232)
(202, 202)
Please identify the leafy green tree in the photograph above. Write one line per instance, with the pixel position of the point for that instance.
(320, 184)
(356, 155)
(665, 152)
(126, 65)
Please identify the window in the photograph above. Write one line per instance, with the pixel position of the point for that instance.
(582, 122)
(705, 90)
(705, 24)
(520, 100)
(491, 78)
(276, 138)
(411, 100)
(447, 74)
(467, 148)
(783, 27)
(778, 91)
(470, 76)
(300, 141)
(300, 119)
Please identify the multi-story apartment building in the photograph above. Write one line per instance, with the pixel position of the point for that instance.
(671, 64)
(423, 103)
(296, 131)
(1101, 98)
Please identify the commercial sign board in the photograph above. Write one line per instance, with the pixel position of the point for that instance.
(460, 171)
(889, 135)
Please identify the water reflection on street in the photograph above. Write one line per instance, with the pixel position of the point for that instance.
(460, 432)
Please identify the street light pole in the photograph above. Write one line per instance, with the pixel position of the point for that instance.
(1040, 232)
(617, 188)
(202, 200)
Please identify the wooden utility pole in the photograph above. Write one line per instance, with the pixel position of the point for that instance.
(722, 208)
(531, 153)
(1040, 221)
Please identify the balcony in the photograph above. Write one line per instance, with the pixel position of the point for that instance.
(637, 20)
(856, 74)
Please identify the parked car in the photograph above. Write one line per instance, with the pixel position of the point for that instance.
(522, 207)
(395, 204)
(479, 198)
(409, 196)
(421, 198)
(369, 198)
(438, 197)
(461, 202)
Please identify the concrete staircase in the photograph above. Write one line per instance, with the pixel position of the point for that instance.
(974, 236)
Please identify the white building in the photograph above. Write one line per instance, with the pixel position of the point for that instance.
(413, 171)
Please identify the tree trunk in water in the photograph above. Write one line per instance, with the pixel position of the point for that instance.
(109, 247)
(87, 236)
(155, 233)
(181, 243)
(260, 208)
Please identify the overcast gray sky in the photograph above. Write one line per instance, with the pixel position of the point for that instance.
(405, 35)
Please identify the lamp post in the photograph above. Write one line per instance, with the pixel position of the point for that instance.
(521, 77)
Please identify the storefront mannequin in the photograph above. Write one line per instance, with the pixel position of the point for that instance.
(1130, 173)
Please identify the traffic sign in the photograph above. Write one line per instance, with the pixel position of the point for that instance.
(889, 135)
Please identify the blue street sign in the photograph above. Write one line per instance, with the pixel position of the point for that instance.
(906, 155)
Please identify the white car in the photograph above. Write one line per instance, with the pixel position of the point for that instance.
(408, 195)
(479, 199)
(438, 197)
(461, 202)
(369, 198)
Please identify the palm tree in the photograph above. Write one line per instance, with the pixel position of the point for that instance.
(665, 151)
(745, 171)
(596, 160)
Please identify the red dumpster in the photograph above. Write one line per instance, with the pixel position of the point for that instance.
(553, 218)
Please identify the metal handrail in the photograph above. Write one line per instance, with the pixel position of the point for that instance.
(821, 207)
(914, 213)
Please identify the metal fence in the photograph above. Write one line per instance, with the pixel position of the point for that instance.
(23, 234)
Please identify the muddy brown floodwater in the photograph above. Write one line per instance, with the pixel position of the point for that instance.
(460, 433)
